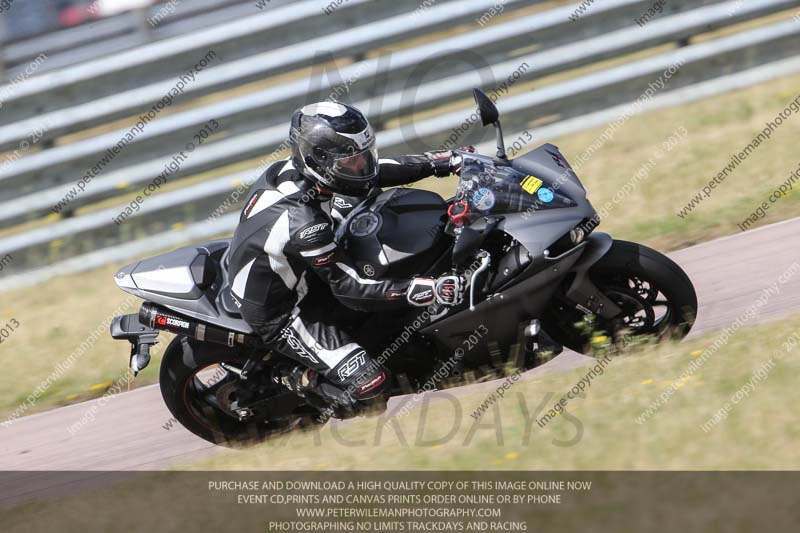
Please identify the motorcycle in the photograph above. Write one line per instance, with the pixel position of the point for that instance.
(521, 232)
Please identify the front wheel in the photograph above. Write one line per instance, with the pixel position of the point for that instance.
(656, 296)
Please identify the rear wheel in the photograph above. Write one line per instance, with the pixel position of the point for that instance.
(656, 296)
(207, 397)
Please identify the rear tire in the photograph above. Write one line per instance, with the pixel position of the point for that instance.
(184, 359)
(641, 280)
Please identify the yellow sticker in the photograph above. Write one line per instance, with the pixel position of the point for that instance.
(531, 184)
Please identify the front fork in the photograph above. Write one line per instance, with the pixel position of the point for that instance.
(581, 292)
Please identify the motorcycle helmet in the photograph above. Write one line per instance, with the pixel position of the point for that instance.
(334, 145)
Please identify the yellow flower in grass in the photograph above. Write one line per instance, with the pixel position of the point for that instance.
(101, 386)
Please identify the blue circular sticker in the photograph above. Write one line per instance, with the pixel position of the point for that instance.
(545, 195)
(483, 199)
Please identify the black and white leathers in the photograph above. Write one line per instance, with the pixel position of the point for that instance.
(285, 232)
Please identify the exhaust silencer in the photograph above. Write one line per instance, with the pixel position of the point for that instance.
(159, 317)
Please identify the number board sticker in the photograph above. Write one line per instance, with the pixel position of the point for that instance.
(483, 199)
(531, 184)
(545, 195)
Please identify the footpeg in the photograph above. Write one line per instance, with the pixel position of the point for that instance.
(534, 341)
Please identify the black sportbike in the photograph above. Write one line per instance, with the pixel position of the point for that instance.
(520, 231)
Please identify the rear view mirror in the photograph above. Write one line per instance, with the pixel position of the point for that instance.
(487, 109)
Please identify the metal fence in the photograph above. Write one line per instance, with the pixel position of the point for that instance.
(420, 78)
(99, 38)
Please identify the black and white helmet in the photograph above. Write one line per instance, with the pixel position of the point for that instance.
(334, 145)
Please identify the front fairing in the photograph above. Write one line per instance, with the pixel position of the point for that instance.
(538, 196)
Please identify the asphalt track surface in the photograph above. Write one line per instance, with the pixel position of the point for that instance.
(730, 274)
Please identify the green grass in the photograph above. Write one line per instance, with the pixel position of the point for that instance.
(598, 432)
(55, 319)
(57, 315)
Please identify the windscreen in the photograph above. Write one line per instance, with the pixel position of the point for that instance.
(487, 189)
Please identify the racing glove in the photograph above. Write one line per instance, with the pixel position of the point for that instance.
(446, 290)
(446, 162)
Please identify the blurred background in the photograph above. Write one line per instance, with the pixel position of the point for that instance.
(182, 104)
(130, 127)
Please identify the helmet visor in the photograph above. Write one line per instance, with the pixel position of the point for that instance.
(363, 164)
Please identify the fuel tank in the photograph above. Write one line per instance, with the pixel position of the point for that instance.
(398, 233)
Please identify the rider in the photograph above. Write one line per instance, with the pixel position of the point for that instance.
(285, 241)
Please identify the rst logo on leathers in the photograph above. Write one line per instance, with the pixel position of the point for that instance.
(352, 365)
(288, 335)
(313, 230)
(422, 296)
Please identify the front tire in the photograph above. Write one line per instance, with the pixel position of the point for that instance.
(656, 296)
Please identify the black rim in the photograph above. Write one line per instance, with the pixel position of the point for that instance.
(646, 309)
(207, 396)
